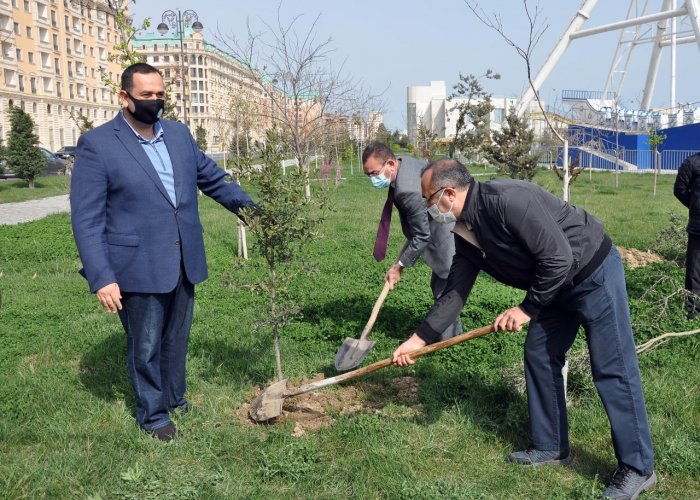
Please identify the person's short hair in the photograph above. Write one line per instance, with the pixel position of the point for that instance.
(127, 80)
(379, 150)
(449, 173)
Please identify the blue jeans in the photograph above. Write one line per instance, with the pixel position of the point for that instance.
(157, 330)
(599, 303)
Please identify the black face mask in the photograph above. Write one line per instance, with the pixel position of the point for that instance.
(147, 110)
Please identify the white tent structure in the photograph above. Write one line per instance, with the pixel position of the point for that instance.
(640, 27)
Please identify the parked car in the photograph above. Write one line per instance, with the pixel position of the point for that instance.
(54, 165)
(66, 152)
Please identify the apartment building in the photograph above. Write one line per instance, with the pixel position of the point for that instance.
(51, 52)
(216, 93)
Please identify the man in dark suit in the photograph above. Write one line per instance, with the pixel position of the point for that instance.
(687, 190)
(426, 237)
(136, 225)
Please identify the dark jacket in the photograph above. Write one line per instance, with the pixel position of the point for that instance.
(529, 239)
(687, 190)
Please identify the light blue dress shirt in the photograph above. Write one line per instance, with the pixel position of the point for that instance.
(159, 156)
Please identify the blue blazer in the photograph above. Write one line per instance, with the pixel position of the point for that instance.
(125, 226)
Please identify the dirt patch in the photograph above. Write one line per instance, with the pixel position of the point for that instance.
(637, 258)
(394, 397)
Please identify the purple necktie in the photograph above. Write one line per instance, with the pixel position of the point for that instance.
(383, 231)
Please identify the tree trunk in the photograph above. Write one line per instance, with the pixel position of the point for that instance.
(31, 183)
(275, 333)
(656, 168)
(565, 161)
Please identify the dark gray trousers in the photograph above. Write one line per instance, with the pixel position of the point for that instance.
(438, 284)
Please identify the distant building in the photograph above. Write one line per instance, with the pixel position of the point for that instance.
(218, 94)
(365, 129)
(51, 53)
(429, 105)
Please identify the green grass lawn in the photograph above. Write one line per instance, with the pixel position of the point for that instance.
(66, 410)
(14, 190)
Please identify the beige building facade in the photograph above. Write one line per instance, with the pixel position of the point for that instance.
(51, 52)
(217, 93)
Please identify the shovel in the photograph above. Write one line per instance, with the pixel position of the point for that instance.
(353, 351)
(269, 403)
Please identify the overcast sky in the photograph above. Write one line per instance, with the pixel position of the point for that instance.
(390, 45)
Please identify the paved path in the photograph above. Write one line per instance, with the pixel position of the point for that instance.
(25, 211)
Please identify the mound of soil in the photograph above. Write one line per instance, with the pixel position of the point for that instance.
(319, 409)
(637, 258)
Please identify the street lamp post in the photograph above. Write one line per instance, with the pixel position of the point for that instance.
(180, 20)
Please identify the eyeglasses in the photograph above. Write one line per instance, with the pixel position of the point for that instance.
(380, 172)
(434, 193)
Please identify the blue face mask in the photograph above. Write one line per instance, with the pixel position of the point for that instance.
(380, 181)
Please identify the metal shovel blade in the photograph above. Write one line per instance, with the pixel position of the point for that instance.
(351, 353)
(269, 403)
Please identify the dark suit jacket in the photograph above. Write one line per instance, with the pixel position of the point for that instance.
(125, 225)
(432, 240)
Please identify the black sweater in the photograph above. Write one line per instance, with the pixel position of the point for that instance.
(687, 190)
(528, 239)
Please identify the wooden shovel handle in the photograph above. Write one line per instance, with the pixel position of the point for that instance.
(380, 300)
(365, 370)
(375, 311)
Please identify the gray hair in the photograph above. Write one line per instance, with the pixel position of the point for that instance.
(448, 172)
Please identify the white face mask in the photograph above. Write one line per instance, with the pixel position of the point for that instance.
(439, 217)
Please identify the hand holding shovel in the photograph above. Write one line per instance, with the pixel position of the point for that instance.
(353, 351)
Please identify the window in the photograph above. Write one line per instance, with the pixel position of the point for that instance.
(55, 43)
(29, 31)
(20, 82)
(57, 65)
(54, 18)
(18, 54)
(32, 84)
(30, 56)
(26, 5)
(498, 115)
(16, 28)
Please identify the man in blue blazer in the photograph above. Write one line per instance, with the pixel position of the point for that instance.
(136, 225)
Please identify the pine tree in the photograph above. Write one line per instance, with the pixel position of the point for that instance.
(510, 151)
(23, 157)
(472, 128)
(3, 158)
(200, 134)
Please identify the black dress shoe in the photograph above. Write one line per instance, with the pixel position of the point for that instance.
(166, 433)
